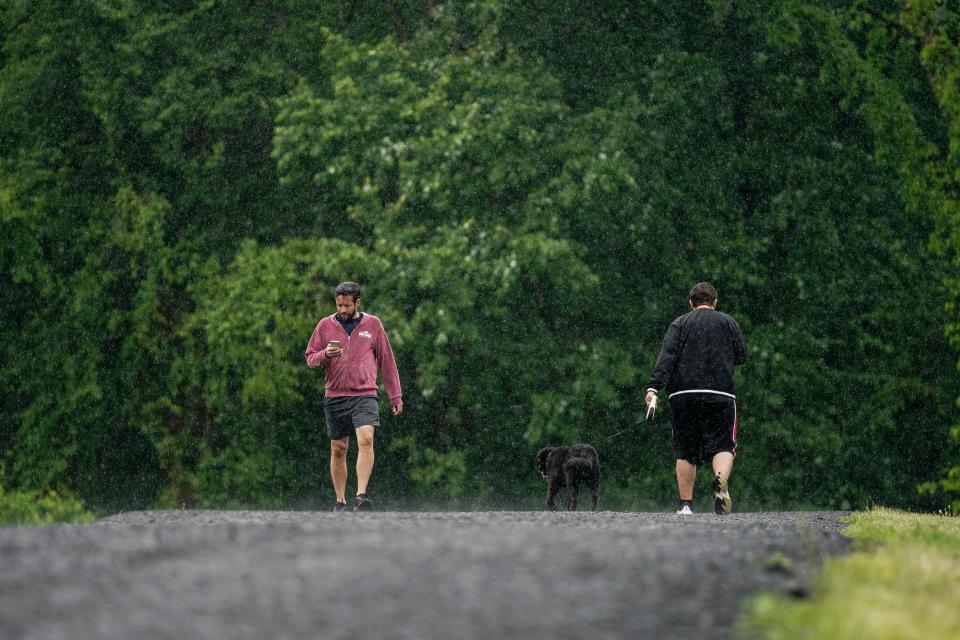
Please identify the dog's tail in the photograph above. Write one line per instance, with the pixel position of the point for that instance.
(581, 468)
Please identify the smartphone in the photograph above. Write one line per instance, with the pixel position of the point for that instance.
(335, 344)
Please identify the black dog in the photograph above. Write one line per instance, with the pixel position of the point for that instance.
(569, 467)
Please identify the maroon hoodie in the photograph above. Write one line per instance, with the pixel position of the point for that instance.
(355, 372)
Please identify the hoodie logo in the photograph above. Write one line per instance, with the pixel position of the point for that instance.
(364, 334)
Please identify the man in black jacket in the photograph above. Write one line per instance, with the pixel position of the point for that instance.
(696, 367)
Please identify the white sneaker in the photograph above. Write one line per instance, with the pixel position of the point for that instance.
(683, 508)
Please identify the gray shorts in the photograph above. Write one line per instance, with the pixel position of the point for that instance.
(346, 413)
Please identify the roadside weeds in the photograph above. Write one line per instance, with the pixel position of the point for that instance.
(900, 582)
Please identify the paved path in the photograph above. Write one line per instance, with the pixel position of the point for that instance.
(490, 575)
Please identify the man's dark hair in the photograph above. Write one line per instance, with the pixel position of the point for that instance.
(351, 289)
(703, 293)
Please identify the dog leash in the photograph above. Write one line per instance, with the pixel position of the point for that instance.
(624, 430)
(651, 413)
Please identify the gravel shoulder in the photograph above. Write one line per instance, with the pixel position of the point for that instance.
(260, 574)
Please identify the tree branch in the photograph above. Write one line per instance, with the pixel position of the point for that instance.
(897, 26)
(399, 22)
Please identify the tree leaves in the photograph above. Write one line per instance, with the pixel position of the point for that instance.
(526, 196)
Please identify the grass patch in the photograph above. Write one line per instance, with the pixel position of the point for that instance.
(902, 581)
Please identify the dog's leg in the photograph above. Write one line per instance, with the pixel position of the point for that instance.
(552, 489)
(573, 491)
(594, 492)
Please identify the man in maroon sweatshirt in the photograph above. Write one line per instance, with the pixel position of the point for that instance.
(351, 345)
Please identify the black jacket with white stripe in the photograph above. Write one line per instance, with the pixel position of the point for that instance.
(699, 353)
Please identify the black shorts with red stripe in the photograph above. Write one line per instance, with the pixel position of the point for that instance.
(704, 424)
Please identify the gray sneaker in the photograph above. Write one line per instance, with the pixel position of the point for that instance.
(339, 506)
(363, 503)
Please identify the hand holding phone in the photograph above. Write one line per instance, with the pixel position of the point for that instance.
(334, 350)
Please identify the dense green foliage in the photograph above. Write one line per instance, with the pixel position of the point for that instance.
(40, 507)
(526, 193)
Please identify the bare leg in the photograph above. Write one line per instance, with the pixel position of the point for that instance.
(338, 467)
(723, 464)
(686, 474)
(364, 457)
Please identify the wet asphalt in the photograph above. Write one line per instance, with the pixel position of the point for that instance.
(490, 575)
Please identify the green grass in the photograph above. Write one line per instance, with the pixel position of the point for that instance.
(902, 581)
